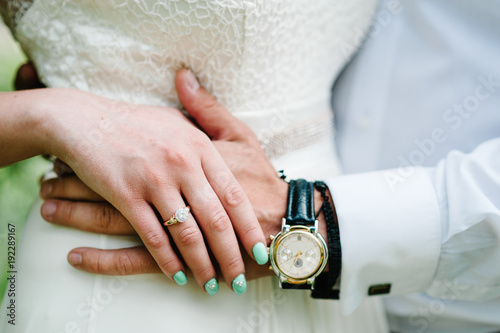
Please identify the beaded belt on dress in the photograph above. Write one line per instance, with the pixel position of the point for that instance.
(296, 136)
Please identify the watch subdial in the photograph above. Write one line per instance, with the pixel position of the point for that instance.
(310, 257)
(286, 254)
(298, 262)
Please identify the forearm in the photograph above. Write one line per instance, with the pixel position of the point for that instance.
(21, 129)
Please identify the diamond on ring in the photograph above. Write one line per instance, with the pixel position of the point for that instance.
(181, 215)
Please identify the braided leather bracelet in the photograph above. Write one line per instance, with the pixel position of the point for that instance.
(323, 287)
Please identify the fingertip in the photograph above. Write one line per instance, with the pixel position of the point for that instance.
(45, 189)
(75, 258)
(192, 81)
(27, 72)
(27, 78)
(180, 278)
(212, 287)
(239, 284)
(48, 209)
(260, 253)
(186, 82)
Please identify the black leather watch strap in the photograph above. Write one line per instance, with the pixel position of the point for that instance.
(285, 285)
(300, 207)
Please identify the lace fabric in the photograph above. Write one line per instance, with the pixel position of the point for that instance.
(13, 10)
(259, 58)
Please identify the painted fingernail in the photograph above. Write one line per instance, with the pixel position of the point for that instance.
(48, 209)
(240, 284)
(45, 190)
(260, 253)
(75, 258)
(192, 81)
(212, 287)
(180, 278)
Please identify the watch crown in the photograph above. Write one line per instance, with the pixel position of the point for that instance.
(270, 267)
(272, 237)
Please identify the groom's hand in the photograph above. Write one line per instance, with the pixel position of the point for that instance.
(78, 207)
(27, 78)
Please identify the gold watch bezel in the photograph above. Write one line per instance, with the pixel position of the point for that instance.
(293, 231)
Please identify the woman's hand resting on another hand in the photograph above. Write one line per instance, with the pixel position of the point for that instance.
(79, 207)
(142, 158)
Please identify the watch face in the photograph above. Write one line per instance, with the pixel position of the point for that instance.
(298, 254)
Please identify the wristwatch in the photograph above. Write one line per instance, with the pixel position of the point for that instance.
(298, 254)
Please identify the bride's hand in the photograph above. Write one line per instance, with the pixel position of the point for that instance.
(142, 158)
(79, 207)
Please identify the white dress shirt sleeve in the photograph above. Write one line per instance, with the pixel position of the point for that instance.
(422, 229)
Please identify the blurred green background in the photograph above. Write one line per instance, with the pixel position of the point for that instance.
(18, 182)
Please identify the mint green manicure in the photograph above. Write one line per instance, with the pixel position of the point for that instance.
(180, 278)
(240, 284)
(260, 253)
(212, 287)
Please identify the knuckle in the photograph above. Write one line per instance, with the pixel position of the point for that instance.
(200, 139)
(234, 264)
(211, 104)
(219, 221)
(188, 236)
(124, 264)
(64, 187)
(68, 212)
(178, 158)
(154, 240)
(96, 265)
(249, 231)
(155, 178)
(104, 218)
(167, 264)
(205, 272)
(234, 196)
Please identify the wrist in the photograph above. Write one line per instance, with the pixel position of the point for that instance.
(271, 218)
(42, 112)
(58, 118)
(21, 126)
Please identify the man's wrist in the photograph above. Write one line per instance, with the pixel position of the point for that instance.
(271, 221)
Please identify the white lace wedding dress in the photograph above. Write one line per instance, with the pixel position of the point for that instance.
(271, 62)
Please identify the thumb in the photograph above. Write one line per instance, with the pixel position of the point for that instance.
(213, 118)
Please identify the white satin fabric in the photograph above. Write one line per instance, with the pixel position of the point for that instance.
(270, 62)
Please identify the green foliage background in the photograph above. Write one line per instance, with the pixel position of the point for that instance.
(18, 182)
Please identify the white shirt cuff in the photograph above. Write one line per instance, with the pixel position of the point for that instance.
(390, 232)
